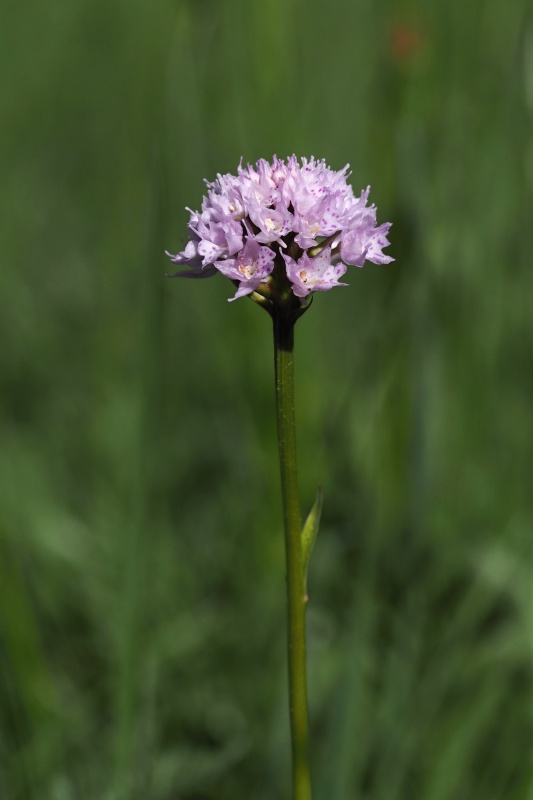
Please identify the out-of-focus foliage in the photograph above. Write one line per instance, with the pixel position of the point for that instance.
(142, 644)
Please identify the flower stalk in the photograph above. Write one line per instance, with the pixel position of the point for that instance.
(280, 232)
(296, 592)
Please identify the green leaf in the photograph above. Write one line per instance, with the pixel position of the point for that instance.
(309, 532)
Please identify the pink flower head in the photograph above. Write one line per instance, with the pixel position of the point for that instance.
(298, 220)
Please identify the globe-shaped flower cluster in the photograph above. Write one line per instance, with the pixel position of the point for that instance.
(299, 219)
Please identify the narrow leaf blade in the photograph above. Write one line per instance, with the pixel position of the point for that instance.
(310, 531)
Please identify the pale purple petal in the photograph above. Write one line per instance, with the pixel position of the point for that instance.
(365, 244)
(377, 242)
(354, 247)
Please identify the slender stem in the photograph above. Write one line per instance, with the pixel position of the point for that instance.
(296, 600)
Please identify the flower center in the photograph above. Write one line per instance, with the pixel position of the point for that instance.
(248, 270)
(270, 225)
(237, 215)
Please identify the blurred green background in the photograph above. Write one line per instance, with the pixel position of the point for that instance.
(142, 629)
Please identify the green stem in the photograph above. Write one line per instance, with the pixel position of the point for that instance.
(296, 599)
